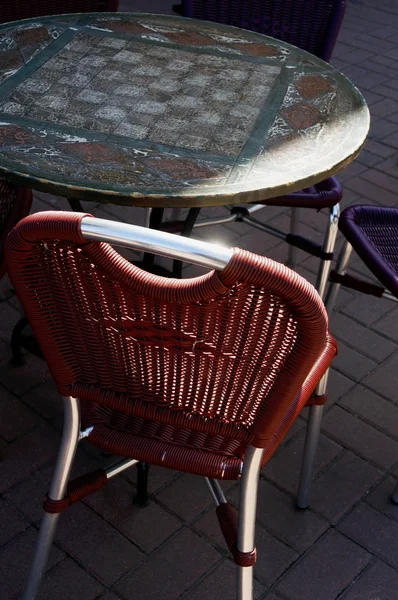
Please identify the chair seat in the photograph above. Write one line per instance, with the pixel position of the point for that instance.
(197, 452)
(164, 445)
(373, 233)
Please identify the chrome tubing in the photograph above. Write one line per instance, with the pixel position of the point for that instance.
(157, 242)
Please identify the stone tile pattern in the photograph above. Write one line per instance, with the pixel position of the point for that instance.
(345, 546)
(154, 104)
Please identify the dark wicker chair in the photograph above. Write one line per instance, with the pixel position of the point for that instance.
(309, 24)
(372, 231)
(202, 375)
(20, 9)
(15, 203)
(312, 25)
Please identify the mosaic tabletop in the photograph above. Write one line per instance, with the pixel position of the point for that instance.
(165, 111)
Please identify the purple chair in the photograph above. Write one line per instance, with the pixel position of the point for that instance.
(372, 231)
(309, 24)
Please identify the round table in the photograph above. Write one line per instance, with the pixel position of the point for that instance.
(159, 111)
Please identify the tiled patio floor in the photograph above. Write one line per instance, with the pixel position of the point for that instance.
(346, 545)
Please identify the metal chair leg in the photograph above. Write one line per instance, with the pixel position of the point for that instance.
(394, 497)
(66, 454)
(141, 498)
(315, 415)
(247, 519)
(341, 266)
(292, 251)
(328, 246)
(309, 452)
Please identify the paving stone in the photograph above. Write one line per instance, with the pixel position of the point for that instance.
(15, 418)
(97, 546)
(360, 437)
(171, 570)
(383, 180)
(373, 409)
(20, 380)
(366, 309)
(114, 502)
(4, 353)
(370, 343)
(388, 325)
(12, 522)
(367, 158)
(222, 579)
(68, 581)
(44, 399)
(372, 191)
(159, 477)
(353, 363)
(391, 140)
(284, 468)
(27, 454)
(276, 511)
(384, 379)
(9, 316)
(326, 570)
(6, 289)
(255, 240)
(379, 149)
(379, 129)
(380, 498)
(342, 485)
(189, 496)
(28, 495)
(266, 569)
(15, 561)
(273, 557)
(377, 582)
(354, 169)
(338, 386)
(374, 531)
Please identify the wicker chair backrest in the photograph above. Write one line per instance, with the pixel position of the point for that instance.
(223, 353)
(312, 25)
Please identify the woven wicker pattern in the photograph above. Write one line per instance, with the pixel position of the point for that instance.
(373, 233)
(20, 9)
(309, 24)
(15, 204)
(184, 370)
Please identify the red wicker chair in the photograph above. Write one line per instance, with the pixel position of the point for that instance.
(15, 203)
(202, 375)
